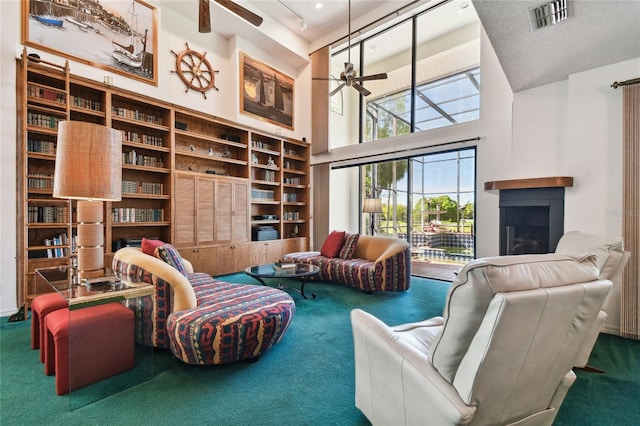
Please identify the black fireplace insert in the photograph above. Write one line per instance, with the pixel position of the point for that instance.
(531, 220)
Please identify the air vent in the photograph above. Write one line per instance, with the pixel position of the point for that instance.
(548, 14)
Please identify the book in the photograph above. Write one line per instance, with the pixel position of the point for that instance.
(280, 266)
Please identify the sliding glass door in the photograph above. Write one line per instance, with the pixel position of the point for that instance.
(428, 200)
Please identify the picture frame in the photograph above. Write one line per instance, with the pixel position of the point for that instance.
(266, 93)
(120, 36)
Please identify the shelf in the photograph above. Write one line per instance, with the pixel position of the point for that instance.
(545, 182)
(211, 157)
(145, 168)
(87, 111)
(41, 156)
(266, 202)
(134, 224)
(146, 196)
(294, 171)
(139, 123)
(205, 138)
(142, 145)
(264, 182)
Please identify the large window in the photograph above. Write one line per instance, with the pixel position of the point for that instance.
(429, 200)
(432, 61)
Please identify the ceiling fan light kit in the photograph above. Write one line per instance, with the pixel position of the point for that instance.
(348, 77)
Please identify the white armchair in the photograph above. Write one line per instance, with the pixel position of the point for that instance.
(502, 353)
(611, 260)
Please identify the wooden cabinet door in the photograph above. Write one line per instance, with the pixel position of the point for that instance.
(241, 221)
(273, 251)
(230, 259)
(205, 212)
(293, 245)
(185, 211)
(262, 252)
(231, 211)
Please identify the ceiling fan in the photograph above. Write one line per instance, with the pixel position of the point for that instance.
(348, 76)
(204, 14)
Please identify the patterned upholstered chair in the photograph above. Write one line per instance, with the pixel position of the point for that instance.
(201, 319)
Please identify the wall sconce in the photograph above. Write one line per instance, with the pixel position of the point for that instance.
(372, 206)
(88, 169)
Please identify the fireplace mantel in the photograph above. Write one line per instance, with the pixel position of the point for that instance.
(544, 182)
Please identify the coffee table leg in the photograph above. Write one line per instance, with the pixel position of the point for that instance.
(313, 295)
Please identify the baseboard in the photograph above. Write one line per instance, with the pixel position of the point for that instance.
(610, 330)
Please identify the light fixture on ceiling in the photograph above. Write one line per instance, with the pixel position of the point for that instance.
(549, 13)
(303, 23)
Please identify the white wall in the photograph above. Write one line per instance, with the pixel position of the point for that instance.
(174, 30)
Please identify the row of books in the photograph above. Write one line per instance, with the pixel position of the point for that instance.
(44, 182)
(60, 245)
(132, 157)
(291, 216)
(48, 214)
(290, 197)
(136, 115)
(43, 120)
(150, 188)
(261, 194)
(132, 214)
(144, 139)
(91, 104)
(43, 147)
(292, 180)
(48, 94)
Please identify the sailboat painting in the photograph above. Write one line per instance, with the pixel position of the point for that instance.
(265, 92)
(115, 35)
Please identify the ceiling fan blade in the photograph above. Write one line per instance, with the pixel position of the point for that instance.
(371, 77)
(336, 90)
(360, 89)
(241, 11)
(204, 17)
(326, 79)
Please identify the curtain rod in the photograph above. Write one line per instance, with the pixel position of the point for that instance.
(617, 84)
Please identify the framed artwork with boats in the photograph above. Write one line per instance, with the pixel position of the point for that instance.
(116, 35)
(265, 92)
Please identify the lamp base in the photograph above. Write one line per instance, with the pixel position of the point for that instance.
(90, 239)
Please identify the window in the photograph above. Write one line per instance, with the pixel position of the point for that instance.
(432, 61)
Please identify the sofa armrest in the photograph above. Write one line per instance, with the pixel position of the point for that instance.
(396, 383)
(184, 296)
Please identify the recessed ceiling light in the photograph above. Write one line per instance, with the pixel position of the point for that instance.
(318, 5)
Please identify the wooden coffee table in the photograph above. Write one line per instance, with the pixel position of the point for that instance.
(301, 272)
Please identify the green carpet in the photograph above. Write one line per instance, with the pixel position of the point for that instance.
(305, 380)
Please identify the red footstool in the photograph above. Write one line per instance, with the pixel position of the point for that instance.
(101, 345)
(41, 306)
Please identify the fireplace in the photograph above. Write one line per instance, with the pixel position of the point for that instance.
(531, 220)
(531, 214)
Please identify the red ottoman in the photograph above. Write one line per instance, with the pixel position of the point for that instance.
(102, 345)
(41, 306)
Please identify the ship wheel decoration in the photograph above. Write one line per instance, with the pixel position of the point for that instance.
(195, 71)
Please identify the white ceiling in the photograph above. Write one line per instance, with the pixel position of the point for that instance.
(598, 32)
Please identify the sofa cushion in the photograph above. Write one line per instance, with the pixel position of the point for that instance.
(349, 247)
(332, 245)
(149, 246)
(170, 255)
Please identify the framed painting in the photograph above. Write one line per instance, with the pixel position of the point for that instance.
(266, 93)
(116, 35)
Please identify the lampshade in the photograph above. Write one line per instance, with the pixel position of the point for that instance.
(372, 205)
(88, 162)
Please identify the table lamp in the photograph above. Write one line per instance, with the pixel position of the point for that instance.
(372, 206)
(88, 169)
